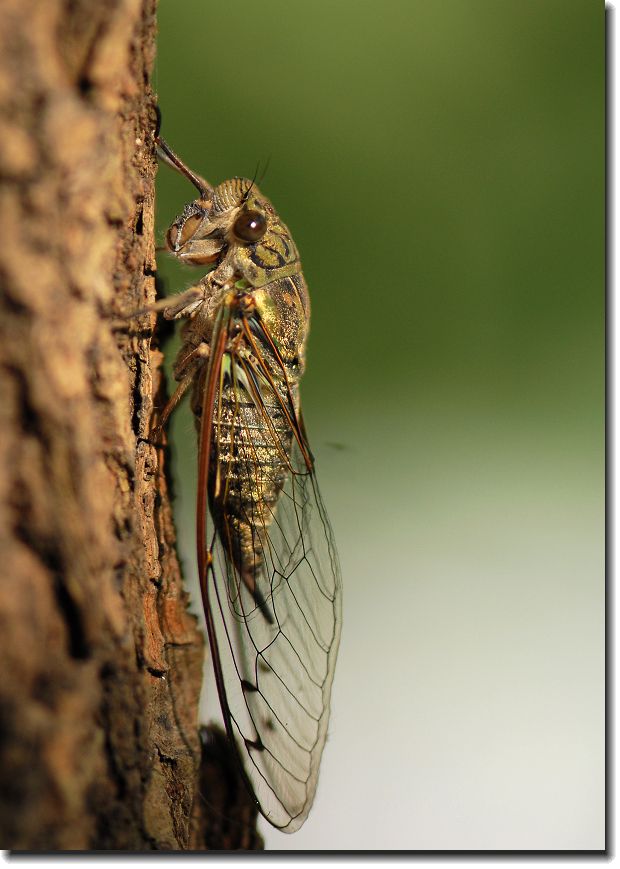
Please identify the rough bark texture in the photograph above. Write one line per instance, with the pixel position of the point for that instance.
(100, 661)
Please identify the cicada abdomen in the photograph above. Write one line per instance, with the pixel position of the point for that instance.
(268, 568)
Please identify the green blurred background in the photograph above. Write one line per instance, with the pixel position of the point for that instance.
(441, 166)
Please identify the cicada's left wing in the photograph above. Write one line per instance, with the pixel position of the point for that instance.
(274, 640)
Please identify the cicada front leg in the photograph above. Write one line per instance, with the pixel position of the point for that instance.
(195, 350)
(185, 371)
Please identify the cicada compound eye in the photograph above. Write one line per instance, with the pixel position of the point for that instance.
(250, 226)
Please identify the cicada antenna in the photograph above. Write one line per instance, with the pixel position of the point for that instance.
(168, 156)
(264, 172)
(246, 195)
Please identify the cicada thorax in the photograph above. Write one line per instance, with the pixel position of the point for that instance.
(252, 421)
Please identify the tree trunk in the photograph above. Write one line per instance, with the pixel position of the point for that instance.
(101, 663)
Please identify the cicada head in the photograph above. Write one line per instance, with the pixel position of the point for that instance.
(234, 220)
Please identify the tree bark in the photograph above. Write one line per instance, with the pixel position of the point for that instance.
(101, 662)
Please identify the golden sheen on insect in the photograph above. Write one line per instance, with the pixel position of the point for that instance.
(268, 568)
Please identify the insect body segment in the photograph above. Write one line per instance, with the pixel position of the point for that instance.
(268, 567)
(251, 447)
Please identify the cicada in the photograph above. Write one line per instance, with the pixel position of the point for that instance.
(269, 574)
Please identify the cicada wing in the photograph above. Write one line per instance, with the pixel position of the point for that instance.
(275, 638)
(278, 657)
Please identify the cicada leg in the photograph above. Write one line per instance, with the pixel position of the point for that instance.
(186, 371)
(173, 307)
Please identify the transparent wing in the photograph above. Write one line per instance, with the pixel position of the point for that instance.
(273, 628)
